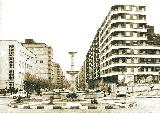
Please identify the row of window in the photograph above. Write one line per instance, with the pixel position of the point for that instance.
(121, 34)
(135, 51)
(25, 65)
(128, 16)
(11, 74)
(128, 25)
(11, 56)
(127, 8)
(119, 17)
(130, 69)
(11, 64)
(123, 8)
(130, 61)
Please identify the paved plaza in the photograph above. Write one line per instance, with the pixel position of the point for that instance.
(144, 105)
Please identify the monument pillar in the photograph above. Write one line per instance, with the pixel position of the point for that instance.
(72, 72)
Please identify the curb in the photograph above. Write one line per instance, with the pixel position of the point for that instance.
(112, 106)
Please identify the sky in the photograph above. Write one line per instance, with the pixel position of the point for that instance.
(66, 25)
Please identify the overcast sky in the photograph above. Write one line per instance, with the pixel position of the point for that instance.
(66, 25)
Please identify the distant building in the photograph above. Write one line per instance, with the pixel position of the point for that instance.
(81, 79)
(15, 62)
(92, 63)
(58, 75)
(44, 54)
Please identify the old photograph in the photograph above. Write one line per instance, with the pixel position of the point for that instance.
(79, 56)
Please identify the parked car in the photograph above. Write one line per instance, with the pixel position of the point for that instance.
(22, 94)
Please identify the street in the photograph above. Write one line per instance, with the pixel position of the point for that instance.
(4, 104)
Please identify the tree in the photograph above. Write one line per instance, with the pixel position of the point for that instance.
(33, 82)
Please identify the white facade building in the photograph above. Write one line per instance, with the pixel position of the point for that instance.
(15, 62)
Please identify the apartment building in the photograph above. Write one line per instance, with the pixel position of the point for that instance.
(58, 76)
(92, 63)
(81, 79)
(126, 56)
(123, 50)
(44, 54)
(15, 62)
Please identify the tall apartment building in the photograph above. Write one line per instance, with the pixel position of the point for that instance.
(44, 54)
(92, 63)
(125, 52)
(15, 62)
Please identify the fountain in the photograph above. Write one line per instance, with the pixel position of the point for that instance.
(73, 95)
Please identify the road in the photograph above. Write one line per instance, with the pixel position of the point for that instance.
(4, 104)
(145, 105)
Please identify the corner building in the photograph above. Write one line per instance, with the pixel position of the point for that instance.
(125, 53)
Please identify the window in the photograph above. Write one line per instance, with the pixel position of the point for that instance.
(128, 16)
(134, 34)
(135, 25)
(128, 8)
(129, 69)
(134, 17)
(134, 8)
(141, 8)
(135, 60)
(128, 25)
(136, 51)
(128, 34)
(128, 61)
(128, 51)
(119, 34)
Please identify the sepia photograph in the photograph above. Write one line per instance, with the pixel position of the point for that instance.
(79, 56)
